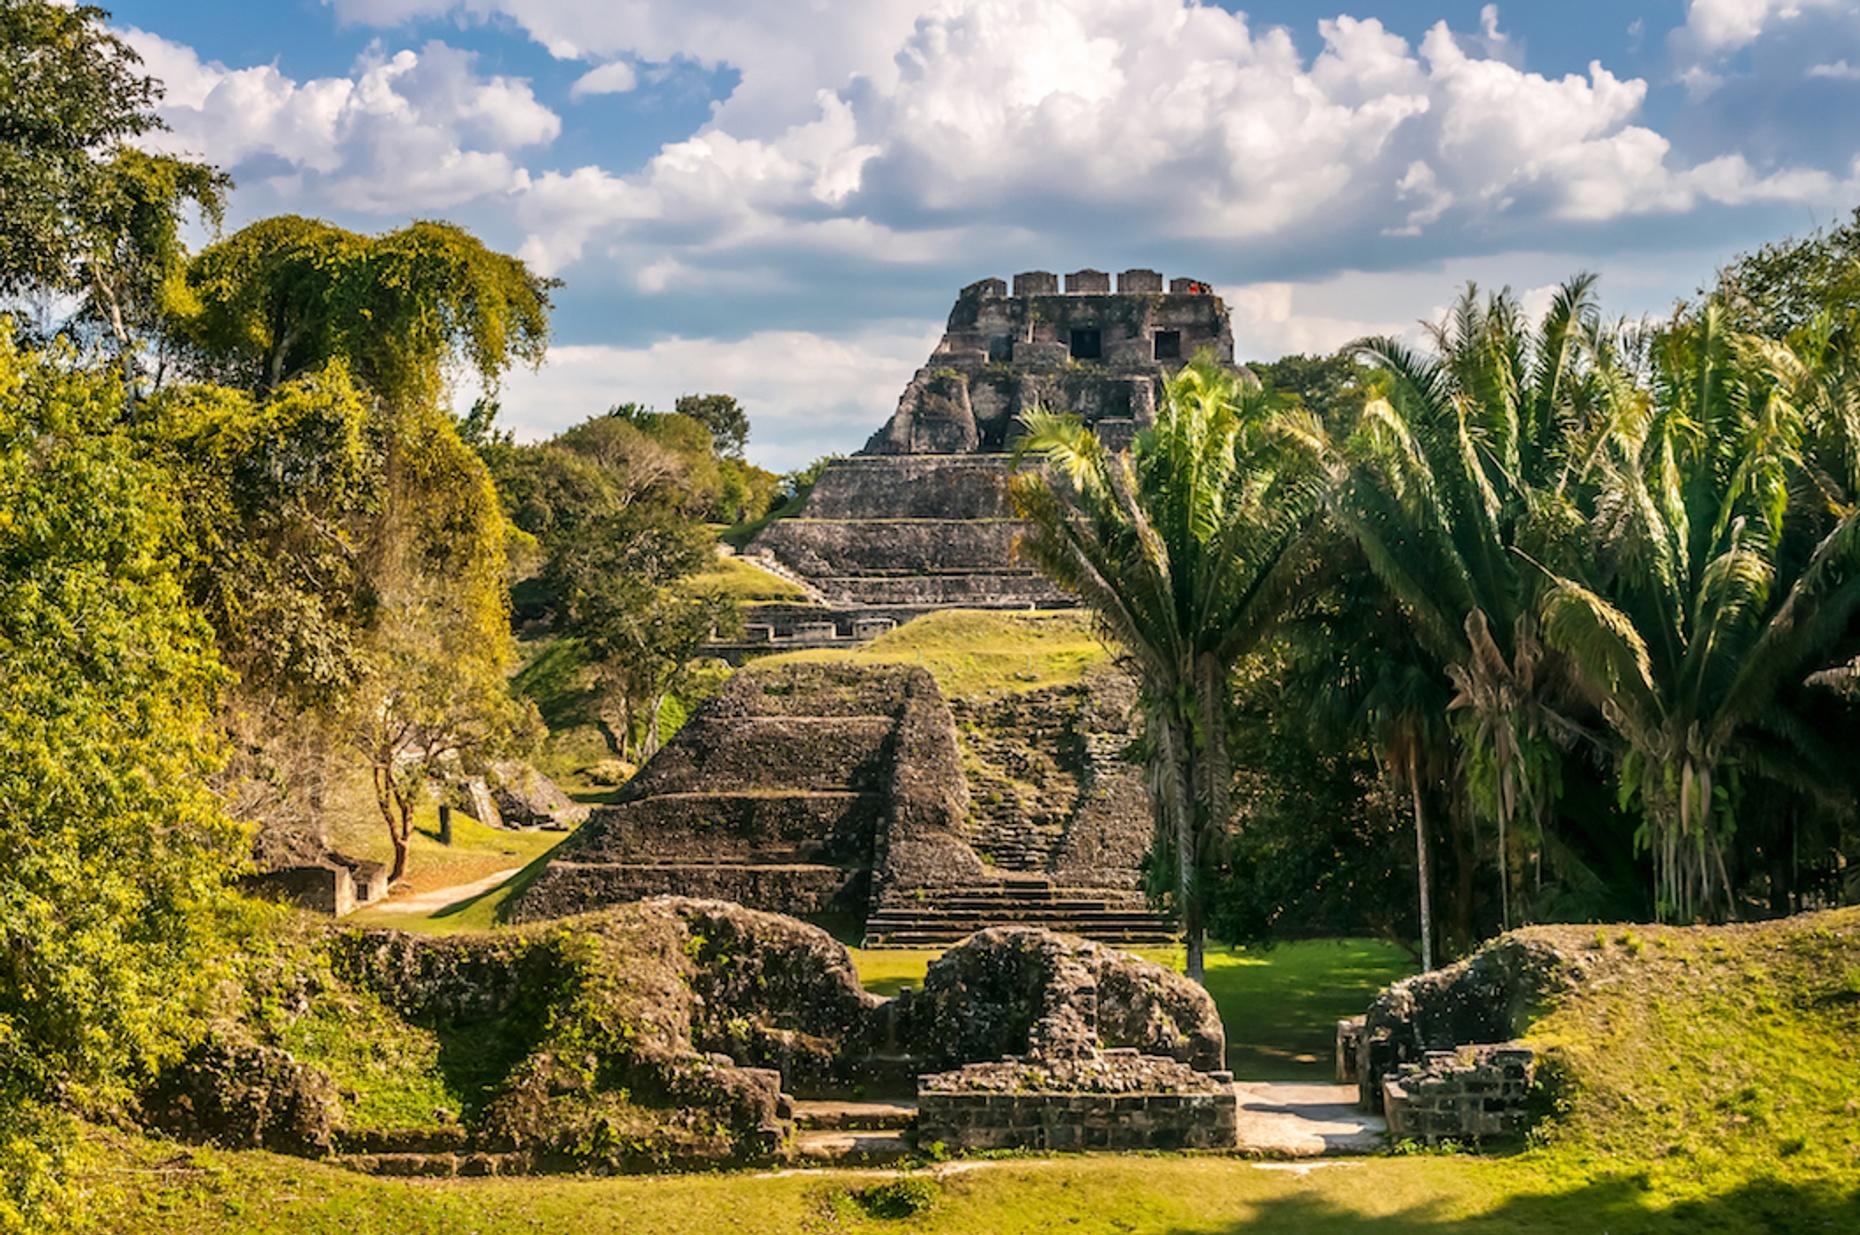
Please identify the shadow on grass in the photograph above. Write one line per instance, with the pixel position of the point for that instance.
(1620, 1205)
(504, 893)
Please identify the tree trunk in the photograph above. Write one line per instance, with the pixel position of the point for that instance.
(383, 775)
(403, 839)
(1420, 863)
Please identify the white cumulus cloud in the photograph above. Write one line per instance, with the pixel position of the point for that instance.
(409, 131)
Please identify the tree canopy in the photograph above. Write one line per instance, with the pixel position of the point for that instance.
(285, 295)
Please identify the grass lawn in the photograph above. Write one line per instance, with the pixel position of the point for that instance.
(975, 653)
(477, 850)
(1280, 1005)
(150, 1188)
(741, 579)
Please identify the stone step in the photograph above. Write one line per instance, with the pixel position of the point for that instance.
(817, 1115)
(447, 1139)
(437, 1165)
(850, 1148)
(1035, 908)
(941, 938)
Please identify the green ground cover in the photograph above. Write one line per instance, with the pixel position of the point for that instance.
(741, 579)
(150, 1189)
(477, 850)
(975, 653)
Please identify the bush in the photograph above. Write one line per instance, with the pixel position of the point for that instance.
(905, 1197)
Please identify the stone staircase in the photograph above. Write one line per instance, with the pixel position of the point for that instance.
(852, 1133)
(943, 916)
(426, 1153)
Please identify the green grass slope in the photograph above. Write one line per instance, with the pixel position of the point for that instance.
(975, 653)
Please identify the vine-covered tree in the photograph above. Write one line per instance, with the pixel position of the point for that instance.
(283, 296)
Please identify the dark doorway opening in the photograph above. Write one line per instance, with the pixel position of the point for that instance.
(1168, 345)
(1000, 349)
(1087, 345)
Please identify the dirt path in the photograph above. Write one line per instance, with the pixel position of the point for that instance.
(440, 898)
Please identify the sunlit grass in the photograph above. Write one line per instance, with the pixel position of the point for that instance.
(975, 653)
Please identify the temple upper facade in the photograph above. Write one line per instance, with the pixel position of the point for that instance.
(1099, 353)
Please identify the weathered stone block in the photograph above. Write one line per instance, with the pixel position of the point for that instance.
(1036, 283)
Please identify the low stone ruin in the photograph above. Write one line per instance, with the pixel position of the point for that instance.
(1021, 991)
(1473, 1094)
(1437, 1053)
(673, 1032)
(1083, 1048)
(1118, 1099)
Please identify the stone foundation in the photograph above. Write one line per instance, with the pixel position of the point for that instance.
(1118, 1099)
(1473, 1094)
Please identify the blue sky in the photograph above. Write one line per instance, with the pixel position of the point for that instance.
(780, 200)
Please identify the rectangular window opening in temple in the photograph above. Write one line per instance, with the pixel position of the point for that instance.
(1168, 345)
(1087, 345)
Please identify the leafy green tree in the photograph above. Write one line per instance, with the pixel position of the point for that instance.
(1184, 548)
(723, 416)
(286, 294)
(1332, 388)
(434, 695)
(114, 855)
(1783, 287)
(70, 91)
(133, 261)
(1716, 586)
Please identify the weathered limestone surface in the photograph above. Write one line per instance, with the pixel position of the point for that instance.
(1437, 1053)
(1022, 991)
(845, 790)
(1486, 998)
(1470, 1094)
(920, 518)
(1099, 354)
(798, 790)
(1118, 1099)
(673, 1032)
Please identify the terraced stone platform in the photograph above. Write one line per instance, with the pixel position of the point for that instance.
(948, 915)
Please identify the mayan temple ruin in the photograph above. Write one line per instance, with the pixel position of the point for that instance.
(919, 519)
(864, 794)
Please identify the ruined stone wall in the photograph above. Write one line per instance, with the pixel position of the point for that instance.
(1472, 1094)
(1022, 991)
(1116, 1100)
(1486, 998)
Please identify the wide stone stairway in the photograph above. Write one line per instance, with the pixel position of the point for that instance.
(937, 917)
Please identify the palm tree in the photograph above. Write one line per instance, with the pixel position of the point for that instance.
(1725, 572)
(1184, 548)
(1462, 457)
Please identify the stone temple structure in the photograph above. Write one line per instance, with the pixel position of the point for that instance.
(919, 519)
(862, 794)
(857, 794)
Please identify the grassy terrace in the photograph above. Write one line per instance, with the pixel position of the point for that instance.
(977, 652)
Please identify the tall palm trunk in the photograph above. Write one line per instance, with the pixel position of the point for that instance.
(1420, 862)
